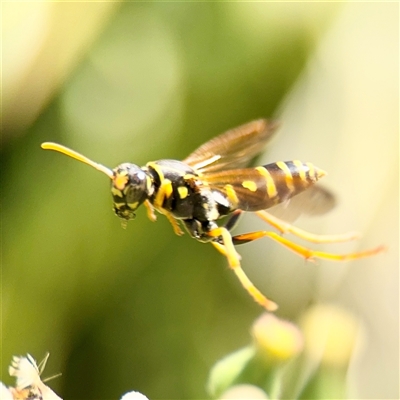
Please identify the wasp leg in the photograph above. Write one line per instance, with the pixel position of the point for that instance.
(285, 227)
(153, 217)
(228, 250)
(150, 211)
(175, 225)
(305, 252)
(233, 220)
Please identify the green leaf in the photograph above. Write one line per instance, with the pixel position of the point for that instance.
(225, 372)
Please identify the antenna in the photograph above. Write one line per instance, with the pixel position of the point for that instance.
(73, 154)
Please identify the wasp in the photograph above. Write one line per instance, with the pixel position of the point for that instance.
(213, 182)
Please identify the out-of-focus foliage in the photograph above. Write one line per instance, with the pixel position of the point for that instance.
(279, 367)
(142, 308)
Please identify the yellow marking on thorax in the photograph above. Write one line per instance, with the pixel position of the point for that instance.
(116, 192)
(300, 168)
(167, 187)
(164, 192)
(251, 185)
(288, 175)
(149, 184)
(271, 187)
(156, 168)
(230, 191)
(183, 192)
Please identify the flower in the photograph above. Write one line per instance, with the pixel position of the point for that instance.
(276, 339)
(28, 382)
(134, 396)
(244, 392)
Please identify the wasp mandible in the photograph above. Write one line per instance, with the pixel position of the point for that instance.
(212, 183)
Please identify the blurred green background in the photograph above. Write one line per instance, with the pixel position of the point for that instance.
(142, 308)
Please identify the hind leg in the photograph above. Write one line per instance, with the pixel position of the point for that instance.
(305, 252)
(225, 246)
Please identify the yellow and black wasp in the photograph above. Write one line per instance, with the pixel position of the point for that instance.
(212, 183)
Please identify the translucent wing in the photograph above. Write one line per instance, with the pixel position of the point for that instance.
(232, 149)
(316, 200)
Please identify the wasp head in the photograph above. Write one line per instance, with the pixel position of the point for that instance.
(129, 189)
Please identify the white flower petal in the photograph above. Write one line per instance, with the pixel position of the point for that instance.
(134, 396)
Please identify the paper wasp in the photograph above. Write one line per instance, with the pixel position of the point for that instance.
(212, 183)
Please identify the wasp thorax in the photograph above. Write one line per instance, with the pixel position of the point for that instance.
(129, 189)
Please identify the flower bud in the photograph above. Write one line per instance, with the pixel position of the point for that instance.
(276, 340)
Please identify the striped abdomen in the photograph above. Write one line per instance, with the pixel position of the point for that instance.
(259, 188)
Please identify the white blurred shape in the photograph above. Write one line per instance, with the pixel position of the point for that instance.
(5, 393)
(134, 396)
(24, 29)
(42, 43)
(29, 385)
(244, 392)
